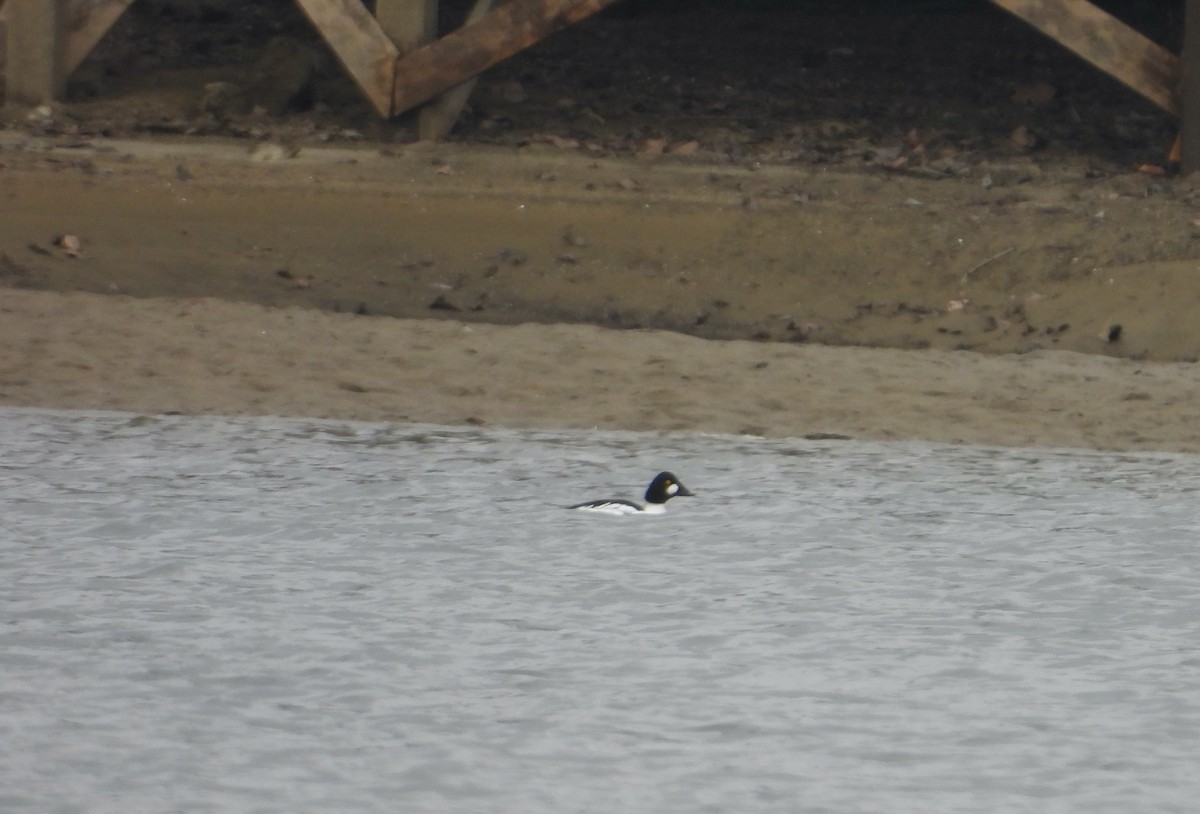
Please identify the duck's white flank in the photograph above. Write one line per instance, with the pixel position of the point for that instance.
(664, 487)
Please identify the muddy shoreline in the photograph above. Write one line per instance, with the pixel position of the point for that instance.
(175, 300)
(910, 223)
(503, 236)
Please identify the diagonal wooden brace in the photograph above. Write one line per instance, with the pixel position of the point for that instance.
(360, 44)
(1107, 43)
(472, 49)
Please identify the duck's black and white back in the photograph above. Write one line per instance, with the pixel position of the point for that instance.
(664, 487)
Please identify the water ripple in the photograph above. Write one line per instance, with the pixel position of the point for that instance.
(267, 615)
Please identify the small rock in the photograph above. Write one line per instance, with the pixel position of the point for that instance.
(1024, 140)
(652, 148)
(1039, 93)
(268, 152)
(513, 257)
(69, 244)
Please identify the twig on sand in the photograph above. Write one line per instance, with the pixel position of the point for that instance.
(991, 259)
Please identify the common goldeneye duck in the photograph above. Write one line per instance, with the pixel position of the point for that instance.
(664, 487)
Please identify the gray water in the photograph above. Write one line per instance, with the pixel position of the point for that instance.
(289, 616)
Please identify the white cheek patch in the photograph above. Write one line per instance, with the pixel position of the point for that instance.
(673, 488)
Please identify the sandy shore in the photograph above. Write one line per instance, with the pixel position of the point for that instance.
(203, 356)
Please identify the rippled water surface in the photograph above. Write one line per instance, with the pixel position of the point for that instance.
(287, 616)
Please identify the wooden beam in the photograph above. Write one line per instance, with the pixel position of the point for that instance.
(1107, 43)
(1189, 91)
(438, 118)
(34, 51)
(86, 25)
(360, 44)
(473, 49)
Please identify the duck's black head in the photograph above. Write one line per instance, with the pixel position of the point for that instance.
(664, 487)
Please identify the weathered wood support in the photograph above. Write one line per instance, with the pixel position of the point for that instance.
(438, 117)
(1189, 91)
(408, 23)
(1107, 43)
(360, 44)
(48, 39)
(34, 52)
(472, 49)
(399, 66)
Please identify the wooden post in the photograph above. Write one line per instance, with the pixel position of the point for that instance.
(438, 117)
(81, 26)
(1189, 92)
(1107, 43)
(473, 49)
(409, 23)
(360, 44)
(35, 72)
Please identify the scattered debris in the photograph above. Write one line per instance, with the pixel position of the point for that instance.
(223, 100)
(1039, 93)
(1024, 140)
(651, 149)
(513, 257)
(11, 268)
(561, 142)
(570, 238)
(269, 152)
(991, 259)
(305, 281)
